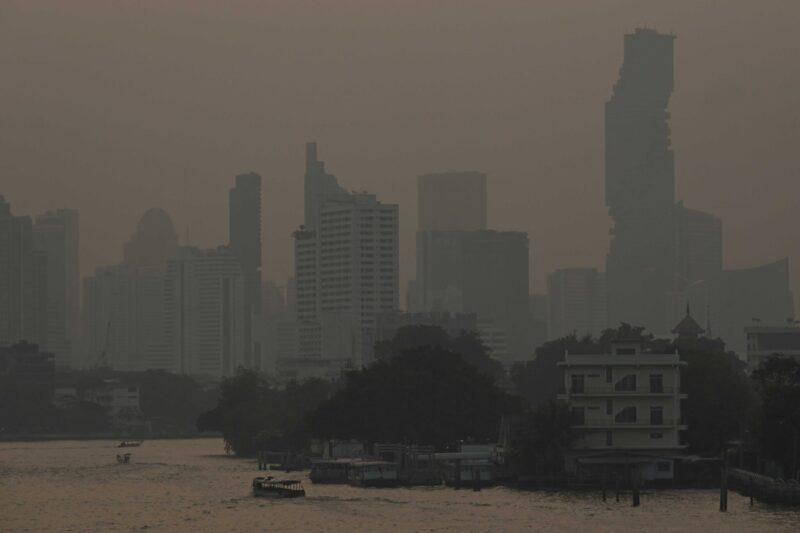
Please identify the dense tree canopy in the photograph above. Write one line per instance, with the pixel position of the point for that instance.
(425, 395)
(778, 421)
(467, 344)
(252, 415)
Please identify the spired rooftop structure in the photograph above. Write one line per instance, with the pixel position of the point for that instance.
(627, 406)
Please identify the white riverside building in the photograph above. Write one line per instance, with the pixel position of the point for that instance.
(626, 408)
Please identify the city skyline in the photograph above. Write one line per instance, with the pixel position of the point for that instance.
(728, 148)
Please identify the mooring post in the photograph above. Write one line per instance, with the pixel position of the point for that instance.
(750, 489)
(616, 479)
(636, 501)
(723, 483)
(605, 473)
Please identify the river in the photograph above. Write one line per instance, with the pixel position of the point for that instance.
(182, 485)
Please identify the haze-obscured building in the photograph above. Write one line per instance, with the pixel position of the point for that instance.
(203, 313)
(245, 242)
(346, 270)
(765, 341)
(55, 234)
(577, 302)
(123, 304)
(450, 201)
(482, 272)
(23, 281)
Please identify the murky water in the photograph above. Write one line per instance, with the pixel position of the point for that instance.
(191, 485)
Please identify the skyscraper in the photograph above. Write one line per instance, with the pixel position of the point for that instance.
(22, 281)
(346, 268)
(483, 272)
(55, 234)
(452, 201)
(123, 304)
(245, 243)
(577, 302)
(640, 183)
(204, 311)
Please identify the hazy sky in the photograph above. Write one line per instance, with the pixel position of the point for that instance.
(113, 107)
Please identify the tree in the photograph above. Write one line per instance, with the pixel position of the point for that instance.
(425, 395)
(546, 433)
(720, 398)
(466, 343)
(251, 415)
(778, 424)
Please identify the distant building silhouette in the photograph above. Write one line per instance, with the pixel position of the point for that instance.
(203, 314)
(483, 272)
(640, 183)
(452, 201)
(577, 302)
(764, 342)
(346, 272)
(23, 281)
(245, 243)
(56, 235)
(734, 299)
(154, 242)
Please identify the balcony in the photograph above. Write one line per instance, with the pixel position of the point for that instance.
(610, 423)
(611, 391)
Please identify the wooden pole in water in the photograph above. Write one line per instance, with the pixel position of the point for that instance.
(723, 484)
(636, 501)
(750, 489)
(605, 472)
(617, 486)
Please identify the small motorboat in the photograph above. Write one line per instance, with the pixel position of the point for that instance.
(269, 487)
(124, 459)
(130, 444)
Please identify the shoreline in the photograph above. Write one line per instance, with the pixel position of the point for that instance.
(46, 437)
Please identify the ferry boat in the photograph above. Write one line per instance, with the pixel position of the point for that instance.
(334, 471)
(130, 444)
(372, 474)
(269, 487)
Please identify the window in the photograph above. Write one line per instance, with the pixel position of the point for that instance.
(577, 383)
(626, 351)
(626, 384)
(609, 374)
(664, 466)
(609, 407)
(656, 416)
(578, 416)
(626, 415)
(656, 435)
(609, 438)
(656, 383)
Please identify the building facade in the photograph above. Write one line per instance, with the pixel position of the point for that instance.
(245, 242)
(346, 270)
(576, 302)
(481, 272)
(203, 312)
(452, 201)
(626, 407)
(765, 341)
(55, 235)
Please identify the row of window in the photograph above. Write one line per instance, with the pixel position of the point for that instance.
(626, 384)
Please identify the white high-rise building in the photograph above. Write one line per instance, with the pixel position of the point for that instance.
(346, 270)
(204, 312)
